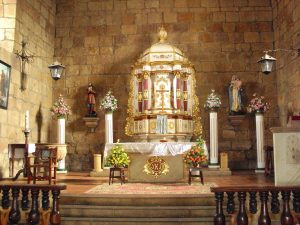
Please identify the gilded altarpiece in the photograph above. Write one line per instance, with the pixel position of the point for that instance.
(162, 101)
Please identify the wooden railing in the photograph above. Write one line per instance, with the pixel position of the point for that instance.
(241, 217)
(12, 204)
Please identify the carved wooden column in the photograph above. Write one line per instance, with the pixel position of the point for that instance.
(264, 218)
(219, 218)
(242, 218)
(34, 214)
(25, 201)
(15, 214)
(55, 215)
(252, 202)
(230, 203)
(286, 216)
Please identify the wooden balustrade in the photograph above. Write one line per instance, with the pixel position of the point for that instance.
(264, 193)
(12, 204)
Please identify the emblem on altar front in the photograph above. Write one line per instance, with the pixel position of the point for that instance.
(156, 166)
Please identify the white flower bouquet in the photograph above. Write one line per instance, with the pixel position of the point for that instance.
(258, 104)
(109, 103)
(60, 109)
(213, 101)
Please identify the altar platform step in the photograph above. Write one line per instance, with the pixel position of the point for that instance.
(137, 211)
(138, 200)
(134, 210)
(137, 221)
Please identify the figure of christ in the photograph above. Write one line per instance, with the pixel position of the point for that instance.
(162, 92)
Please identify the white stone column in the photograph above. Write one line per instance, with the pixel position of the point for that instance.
(213, 130)
(61, 134)
(259, 121)
(109, 138)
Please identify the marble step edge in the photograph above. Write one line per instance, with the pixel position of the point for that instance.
(137, 207)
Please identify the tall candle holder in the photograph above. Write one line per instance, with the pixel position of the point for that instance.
(24, 170)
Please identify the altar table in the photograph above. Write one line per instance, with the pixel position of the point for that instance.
(140, 152)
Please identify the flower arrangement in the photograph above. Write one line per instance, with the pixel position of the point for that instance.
(213, 101)
(196, 155)
(60, 109)
(109, 103)
(258, 104)
(117, 157)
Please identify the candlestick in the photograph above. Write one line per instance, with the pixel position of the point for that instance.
(27, 120)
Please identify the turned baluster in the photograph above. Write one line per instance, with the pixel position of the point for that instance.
(242, 218)
(286, 216)
(45, 199)
(15, 214)
(34, 215)
(252, 202)
(275, 204)
(25, 201)
(264, 218)
(5, 197)
(296, 201)
(230, 202)
(55, 215)
(219, 218)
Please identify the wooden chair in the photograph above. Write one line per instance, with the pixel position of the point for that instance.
(44, 166)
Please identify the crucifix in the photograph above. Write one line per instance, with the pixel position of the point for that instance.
(162, 91)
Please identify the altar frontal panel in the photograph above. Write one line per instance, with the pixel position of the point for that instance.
(140, 168)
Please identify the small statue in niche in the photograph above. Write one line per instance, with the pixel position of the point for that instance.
(235, 93)
(91, 101)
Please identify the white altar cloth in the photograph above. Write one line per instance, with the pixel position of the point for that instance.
(154, 148)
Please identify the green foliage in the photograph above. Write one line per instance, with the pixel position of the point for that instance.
(117, 157)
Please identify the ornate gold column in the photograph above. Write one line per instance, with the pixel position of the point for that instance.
(185, 93)
(145, 91)
(140, 93)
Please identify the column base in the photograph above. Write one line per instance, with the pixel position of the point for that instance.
(214, 166)
(260, 170)
(61, 171)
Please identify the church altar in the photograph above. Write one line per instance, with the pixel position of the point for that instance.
(171, 153)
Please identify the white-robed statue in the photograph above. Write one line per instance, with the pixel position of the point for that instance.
(235, 96)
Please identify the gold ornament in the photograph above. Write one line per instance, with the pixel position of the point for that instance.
(156, 166)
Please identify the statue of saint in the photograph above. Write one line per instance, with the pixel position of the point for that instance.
(91, 101)
(235, 96)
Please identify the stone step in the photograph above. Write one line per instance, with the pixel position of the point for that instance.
(136, 221)
(137, 211)
(137, 200)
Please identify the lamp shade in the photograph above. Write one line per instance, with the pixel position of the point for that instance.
(266, 63)
(56, 70)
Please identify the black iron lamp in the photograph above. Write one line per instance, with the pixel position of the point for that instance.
(56, 70)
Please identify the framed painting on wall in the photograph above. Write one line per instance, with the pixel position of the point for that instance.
(4, 84)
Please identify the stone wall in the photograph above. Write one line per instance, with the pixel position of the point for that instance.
(286, 25)
(98, 41)
(32, 21)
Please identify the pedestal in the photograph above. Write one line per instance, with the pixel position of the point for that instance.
(97, 171)
(61, 134)
(109, 128)
(259, 121)
(213, 155)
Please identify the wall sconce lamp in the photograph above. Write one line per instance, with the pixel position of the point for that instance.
(56, 70)
(267, 61)
(25, 57)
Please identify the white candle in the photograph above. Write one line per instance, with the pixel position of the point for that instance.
(27, 120)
